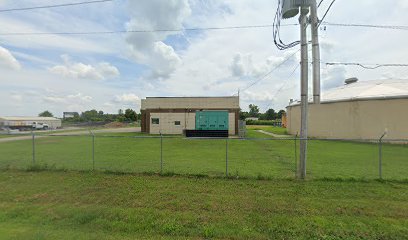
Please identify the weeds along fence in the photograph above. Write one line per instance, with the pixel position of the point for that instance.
(233, 157)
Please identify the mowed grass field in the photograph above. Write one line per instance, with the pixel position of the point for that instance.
(85, 205)
(125, 198)
(255, 158)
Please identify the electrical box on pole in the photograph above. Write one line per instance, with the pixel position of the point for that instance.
(290, 8)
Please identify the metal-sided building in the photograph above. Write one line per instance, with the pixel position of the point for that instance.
(17, 122)
(357, 110)
(174, 115)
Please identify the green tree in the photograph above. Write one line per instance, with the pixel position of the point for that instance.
(46, 114)
(91, 115)
(253, 110)
(280, 113)
(270, 114)
(243, 115)
(130, 115)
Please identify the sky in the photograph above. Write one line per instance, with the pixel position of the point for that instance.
(108, 72)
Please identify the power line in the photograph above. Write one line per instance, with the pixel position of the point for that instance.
(392, 27)
(367, 66)
(327, 11)
(283, 85)
(142, 31)
(395, 27)
(276, 30)
(270, 72)
(319, 3)
(53, 6)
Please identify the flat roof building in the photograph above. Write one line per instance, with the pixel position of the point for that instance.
(173, 115)
(357, 110)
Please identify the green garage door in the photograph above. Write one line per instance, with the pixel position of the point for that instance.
(212, 120)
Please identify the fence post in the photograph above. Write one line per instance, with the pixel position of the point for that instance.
(93, 151)
(161, 153)
(226, 157)
(296, 159)
(380, 156)
(33, 142)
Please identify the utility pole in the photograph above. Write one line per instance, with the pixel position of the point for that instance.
(303, 91)
(290, 8)
(314, 22)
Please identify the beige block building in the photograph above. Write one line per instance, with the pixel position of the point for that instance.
(173, 115)
(359, 110)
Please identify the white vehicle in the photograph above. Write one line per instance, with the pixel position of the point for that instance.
(39, 126)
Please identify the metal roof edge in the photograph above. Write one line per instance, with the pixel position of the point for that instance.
(357, 99)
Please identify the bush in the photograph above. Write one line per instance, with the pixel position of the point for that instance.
(263, 122)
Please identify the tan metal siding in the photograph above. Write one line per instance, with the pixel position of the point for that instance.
(191, 103)
(187, 121)
(166, 122)
(354, 119)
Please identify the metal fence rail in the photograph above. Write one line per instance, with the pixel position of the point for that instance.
(230, 157)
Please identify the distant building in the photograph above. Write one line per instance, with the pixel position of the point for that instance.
(173, 115)
(357, 110)
(69, 115)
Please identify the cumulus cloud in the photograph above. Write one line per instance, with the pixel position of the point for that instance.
(333, 76)
(56, 98)
(7, 60)
(243, 65)
(149, 48)
(78, 70)
(238, 66)
(127, 98)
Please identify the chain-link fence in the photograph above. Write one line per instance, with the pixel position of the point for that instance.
(233, 157)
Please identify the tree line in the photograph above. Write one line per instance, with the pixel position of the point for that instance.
(254, 111)
(129, 115)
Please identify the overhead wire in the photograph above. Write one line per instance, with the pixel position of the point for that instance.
(143, 31)
(270, 72)
(276, 30)
(327, 11)
(284, 84)
(367, 66)
(52, 6)
(394, 27)
(391, 27)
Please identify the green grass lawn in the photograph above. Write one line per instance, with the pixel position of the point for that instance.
(271, 129)
(246, 158)
(84, 205)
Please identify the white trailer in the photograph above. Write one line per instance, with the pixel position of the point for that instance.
(30, 123)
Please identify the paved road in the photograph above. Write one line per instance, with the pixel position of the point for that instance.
(108, 130)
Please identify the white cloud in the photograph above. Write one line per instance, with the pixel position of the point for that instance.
(243, 65)
(333, 76)
(66, 99)
(149, 48)
(7, 60)
(80, 70)
(127, 98)
(238, 66)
